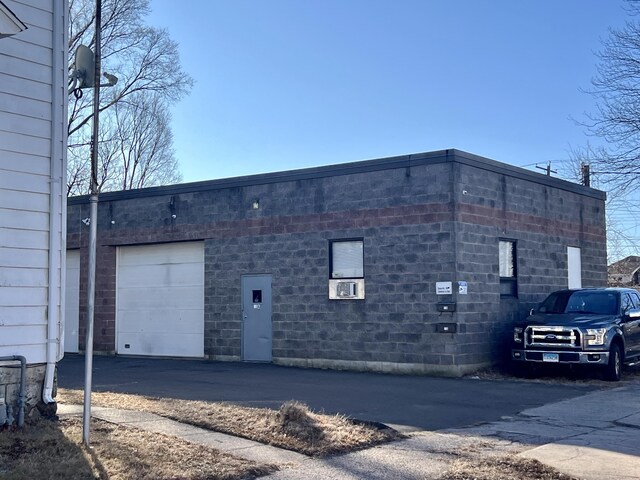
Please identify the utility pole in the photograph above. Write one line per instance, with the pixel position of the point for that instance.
(93, 233)
(547, 169)
(586, 174)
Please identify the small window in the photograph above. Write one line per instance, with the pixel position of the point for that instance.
(508, 268)
(635, 299)
(346, 258)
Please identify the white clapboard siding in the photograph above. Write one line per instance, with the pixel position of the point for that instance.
(21, 162)
(32, 126)
(19, 67)
(27, 107)
(29, 201)
(18, 257)
(25, 239)
(37, 13)
(28, 157)
(17, 142)
(33, 352)
(23, 277)
(27, 296)
(24, 87)
(26, 182)
(23, 315)
(25, 220)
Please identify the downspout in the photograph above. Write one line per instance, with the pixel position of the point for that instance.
(57, 225)
(23, 389)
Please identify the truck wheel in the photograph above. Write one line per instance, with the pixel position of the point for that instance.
(613, 371)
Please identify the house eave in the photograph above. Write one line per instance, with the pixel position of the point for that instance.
(10, 24)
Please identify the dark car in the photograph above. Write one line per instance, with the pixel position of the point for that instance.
(599, 327)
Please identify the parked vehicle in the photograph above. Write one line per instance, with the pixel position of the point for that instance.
(598, 327)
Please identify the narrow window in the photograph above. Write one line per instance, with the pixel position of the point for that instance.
(574, 268)
(508, 268)
(346, 258)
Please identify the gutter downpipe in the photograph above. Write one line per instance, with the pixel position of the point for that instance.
(23, 382)
(56, 208)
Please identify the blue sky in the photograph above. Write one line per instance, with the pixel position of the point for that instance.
(285, 84)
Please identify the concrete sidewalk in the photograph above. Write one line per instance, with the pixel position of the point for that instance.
(592, 437)
(151, 422)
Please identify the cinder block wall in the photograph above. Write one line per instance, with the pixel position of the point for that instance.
(418, 228)
(543, 221)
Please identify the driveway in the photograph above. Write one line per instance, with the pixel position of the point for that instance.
(407, 402)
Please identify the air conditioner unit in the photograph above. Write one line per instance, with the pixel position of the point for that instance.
(346, 289)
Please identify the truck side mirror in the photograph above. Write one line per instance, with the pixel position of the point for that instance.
(634, 313)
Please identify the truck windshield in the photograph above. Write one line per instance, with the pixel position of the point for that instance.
(581, 301)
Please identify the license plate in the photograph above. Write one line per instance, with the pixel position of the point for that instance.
(550, 357)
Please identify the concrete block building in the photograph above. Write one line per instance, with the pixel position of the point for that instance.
(412, 264)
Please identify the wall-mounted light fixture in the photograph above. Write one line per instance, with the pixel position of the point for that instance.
(256, 204)
(86, 221)
(172, 208)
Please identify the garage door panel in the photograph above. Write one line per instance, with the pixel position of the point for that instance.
(158, 344)
(158, 275)
(141, 298)
(190, 321)
(162, 254)
(72, 302)
(160, 300)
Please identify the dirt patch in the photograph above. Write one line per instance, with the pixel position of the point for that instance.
(503, 468)
(561, 375)
(294, 427)
(54, 450)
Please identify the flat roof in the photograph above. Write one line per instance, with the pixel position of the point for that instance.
(388, 163)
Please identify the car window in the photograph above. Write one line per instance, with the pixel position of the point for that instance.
(589, 302)
(635, 298)
(627, 304)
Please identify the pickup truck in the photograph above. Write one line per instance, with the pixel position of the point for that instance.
(598, 327)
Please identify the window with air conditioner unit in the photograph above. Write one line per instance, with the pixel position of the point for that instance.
(346, 269)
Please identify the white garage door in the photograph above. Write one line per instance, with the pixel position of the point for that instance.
(160, 300)
(72, 302)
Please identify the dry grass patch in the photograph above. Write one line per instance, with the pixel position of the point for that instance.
(503, 468)
(54, 450)
(294, 426)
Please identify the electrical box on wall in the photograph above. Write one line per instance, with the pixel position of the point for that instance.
(446, 306)
(346, 289)
(446, 327)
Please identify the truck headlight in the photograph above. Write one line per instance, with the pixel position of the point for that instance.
(595, 336)
(517, 334)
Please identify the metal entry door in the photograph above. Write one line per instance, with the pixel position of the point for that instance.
(256, 318)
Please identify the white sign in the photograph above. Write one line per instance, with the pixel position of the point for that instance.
(444, 288)
(462, 288)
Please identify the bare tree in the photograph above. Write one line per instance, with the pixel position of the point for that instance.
(616, 89)
(143, 140)
(615, 167)
(147, 63)
(622, 206)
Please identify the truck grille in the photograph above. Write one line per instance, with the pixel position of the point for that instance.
(556, 337)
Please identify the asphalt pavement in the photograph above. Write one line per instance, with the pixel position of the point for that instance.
(583, 431)
(409, 403)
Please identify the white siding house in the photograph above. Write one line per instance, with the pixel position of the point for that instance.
(33, 105)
